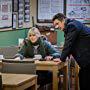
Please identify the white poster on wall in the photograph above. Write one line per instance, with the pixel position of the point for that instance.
(48, 8)
(5, 13)
(78, 9)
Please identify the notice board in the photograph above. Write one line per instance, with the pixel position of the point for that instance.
(5, 13)
(78, 9)
(46, 9)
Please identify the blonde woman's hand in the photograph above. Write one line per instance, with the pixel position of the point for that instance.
(17, 58)
(48, 58)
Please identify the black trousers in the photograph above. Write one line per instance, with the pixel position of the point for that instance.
(84, 78)
(1, 82)
(44, 77)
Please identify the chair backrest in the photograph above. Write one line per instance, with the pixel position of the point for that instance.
(9, 51)
(18, 67)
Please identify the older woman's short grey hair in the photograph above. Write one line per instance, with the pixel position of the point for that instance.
(35, 31)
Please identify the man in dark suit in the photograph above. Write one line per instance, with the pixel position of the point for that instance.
(77, 44)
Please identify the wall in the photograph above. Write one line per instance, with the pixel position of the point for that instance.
(10, 38)
(60, 37)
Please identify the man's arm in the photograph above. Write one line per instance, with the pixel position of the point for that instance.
(70, 38)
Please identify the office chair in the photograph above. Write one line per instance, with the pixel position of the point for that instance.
(9, 51)
(18, 66)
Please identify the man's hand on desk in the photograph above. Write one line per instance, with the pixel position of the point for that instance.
(57, 60)
(48, 58)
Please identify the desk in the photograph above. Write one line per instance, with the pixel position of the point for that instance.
(54, 67)
(19, 81)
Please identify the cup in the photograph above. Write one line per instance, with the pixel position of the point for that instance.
(1, 57)
(61, 44)
(20, 41)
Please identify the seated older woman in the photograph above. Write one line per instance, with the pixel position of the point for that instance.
(35, 45)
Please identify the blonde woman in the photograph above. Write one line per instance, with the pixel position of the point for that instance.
(35, 45)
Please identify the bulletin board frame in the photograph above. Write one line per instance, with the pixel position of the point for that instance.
(46, 9)
(5, 14)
